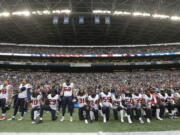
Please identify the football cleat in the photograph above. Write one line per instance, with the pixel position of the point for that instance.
(13, 118)
(21, 118)
(159, 118)
(62, 119)
(86, 121)
(71, 119)
(33, 122)
(148, 120)
(122, 120)
(141, 121)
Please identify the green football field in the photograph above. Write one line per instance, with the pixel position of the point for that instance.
(80, 126)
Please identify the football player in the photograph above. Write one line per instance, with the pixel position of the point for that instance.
(105, 103)
(170, 104)
(67, 94)
(177, 100)
(137, 102)
(147, 104)
(128, 104)
(83, 108)
(93, 101)
(36, 101)
(162, 96)
(22, 97)
(117, 106)
(5, 97)
(50, 105)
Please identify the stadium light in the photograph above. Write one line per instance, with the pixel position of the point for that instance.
(175, 18)
(121, 13)
(46, 12)
(160, 16)
(141, 14)
(4, 14)
(101, 12)
(65, 11)
(22, 13)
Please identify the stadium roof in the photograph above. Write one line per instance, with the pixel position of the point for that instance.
(122, 30)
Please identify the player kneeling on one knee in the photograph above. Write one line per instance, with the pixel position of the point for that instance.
(50, 105)
(137, 105)
(83, 108)
(105, 104)
(128, 104)
(93, 102)
(36, 100)
(117, 106)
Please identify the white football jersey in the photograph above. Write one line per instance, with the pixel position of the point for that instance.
(137, 98)
(127, 100)
(53, 101)
(68, 89)
(4, 91)
(23, 94)
(163, 98)
(82, 100)
(36, 101)
(116, 101)
(148, 100)
(94, 101)
(106, 99)
(170, 98)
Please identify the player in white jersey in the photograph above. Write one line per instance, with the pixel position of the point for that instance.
(177, 100)
(51, 105)
(147, 104)
(5, 97)
(117, 106)
(22, 97)
(83, 108)
(162, 95)
(137, 105)
(93, 102)
(128, 104)
(105, 103)
(36, 100)
(67, 94)
(170, 104)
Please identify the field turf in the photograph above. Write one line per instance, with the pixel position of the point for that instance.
(80, 126)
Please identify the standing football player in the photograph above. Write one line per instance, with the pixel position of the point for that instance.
(22, 97)
(67, 99)
(5, 97)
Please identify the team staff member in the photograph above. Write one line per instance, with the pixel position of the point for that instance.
(67, 94)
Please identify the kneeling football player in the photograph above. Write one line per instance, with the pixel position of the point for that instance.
(83, 108)
(93, 101)
(117, 106)
(105, 104)
(51, 105)
(36, 100)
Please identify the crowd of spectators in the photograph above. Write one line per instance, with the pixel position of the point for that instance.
(116, 50)
(140, 80)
